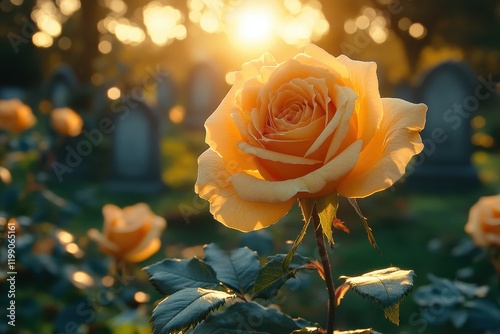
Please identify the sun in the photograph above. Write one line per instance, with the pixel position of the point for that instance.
(253, 25)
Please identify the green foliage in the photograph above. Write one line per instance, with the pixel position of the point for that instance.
(243, 318)
(240, 271)
(273, 274)
(386, 287)
(236, 268)
(186, 308)
(172, 275)
(464, 305)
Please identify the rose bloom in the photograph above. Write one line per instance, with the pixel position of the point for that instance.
(484, 222)
(307, 127)
(131, 234)
(15, 116)
(66, 122)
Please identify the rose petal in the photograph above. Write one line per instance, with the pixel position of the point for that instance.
(222, 133)
(225, 204)
(343, 127)
(383, 161)
(149, 244)
(253, 189)
(275, 156)
(316, 54)
(364, 82)
(344, 98)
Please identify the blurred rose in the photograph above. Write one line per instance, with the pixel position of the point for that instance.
(131, 234)
(307, 127)
(15, 116)
(484, 222)
(66, 122)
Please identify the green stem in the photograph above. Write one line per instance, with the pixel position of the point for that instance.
(320, 241)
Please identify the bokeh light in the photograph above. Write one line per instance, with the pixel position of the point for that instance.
(163, 23)
(370, 20)
(42, 39)
(114, 93)
(177, 114)
(82, 280)
(417, 30)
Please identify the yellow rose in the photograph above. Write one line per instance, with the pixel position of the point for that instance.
(309, 126)
(484, 222)
(131, 234)
(15, 116)
(66, 122)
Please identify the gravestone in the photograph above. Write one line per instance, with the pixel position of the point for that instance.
(62, 86)
(205, 92)
(164, 93)
(449, 92)
(11, 92)
(135, 152)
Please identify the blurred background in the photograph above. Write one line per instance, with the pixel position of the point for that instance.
(143, 76)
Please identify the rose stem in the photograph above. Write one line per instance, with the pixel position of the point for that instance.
(320, 241)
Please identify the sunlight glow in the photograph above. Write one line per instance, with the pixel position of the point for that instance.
(163, 23)
(255, 23)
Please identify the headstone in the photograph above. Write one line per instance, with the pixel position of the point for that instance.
(135, 150)
(62, 86)
(11, 92)
(205, 91)
(164, 93)
(448, 91)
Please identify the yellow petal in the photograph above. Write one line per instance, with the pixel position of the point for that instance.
(317, 54)
(275, 156)
(227, 207)
(364, 81)
(344, 99)
(253, 189)
(141, 254)
(150, 244)
(222, 133)
(383, 161)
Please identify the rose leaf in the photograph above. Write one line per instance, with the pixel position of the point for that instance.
(185, 309)
(171, 275)
(249, 318)
(273, 274)
(236, 268)
(386, 287)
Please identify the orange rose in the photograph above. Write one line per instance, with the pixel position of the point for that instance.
(309, 126)
(66, 122)
(15, 116)
(484, 222)
(131, 234)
